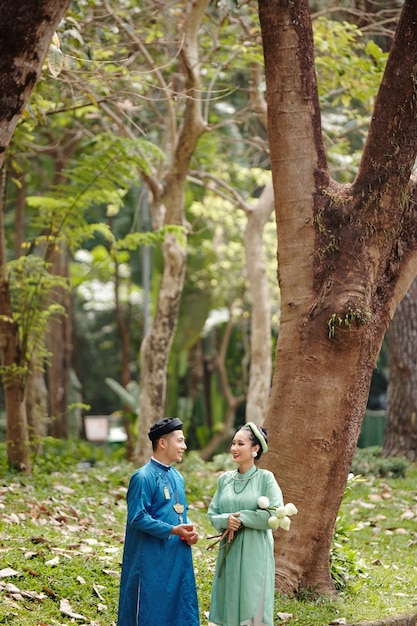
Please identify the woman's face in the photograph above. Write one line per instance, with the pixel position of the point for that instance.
(242, 447)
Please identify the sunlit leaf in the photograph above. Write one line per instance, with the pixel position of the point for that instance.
(55, 60)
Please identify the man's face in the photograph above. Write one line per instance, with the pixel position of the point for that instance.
(173, 446)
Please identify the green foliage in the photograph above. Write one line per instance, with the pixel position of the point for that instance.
(349, 69)
(101, 175)
(129, 396)
(351, 319)
(346, 567)
(369, 461)
(61, 455)
(33, 291)
(97, 343)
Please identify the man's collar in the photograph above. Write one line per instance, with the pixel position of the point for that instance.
(160, 463)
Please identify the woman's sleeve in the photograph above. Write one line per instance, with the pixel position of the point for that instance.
(217, 519)
(259, 519)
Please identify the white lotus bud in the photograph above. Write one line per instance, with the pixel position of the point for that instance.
(285, 523)
(273, 522)
(263, 502)
(280, 512)
(290, 509)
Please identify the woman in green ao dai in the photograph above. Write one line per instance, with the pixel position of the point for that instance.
(243, 585)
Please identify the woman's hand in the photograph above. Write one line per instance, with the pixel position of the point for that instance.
(233, 522)
(233, 525)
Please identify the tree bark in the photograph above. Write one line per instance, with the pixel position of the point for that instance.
(260, 341)
(26, 29)
(346, 256)
(14, 385)
(157, 343)
(400, 436)
(123, 330)
(59, 344)
(36, 408)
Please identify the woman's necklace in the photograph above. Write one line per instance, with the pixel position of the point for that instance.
(241, 483)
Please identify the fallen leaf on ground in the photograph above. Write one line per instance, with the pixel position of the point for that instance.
(11, 519)
(8, 571)
(66, 608)
(96, 589)
(285, 617)
(19, 594)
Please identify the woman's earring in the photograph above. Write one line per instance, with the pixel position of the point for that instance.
(254, 454)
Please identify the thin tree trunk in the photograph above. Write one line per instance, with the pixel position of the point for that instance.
(125, 341)
(14, 385)
(13, 377)
(59, 335)
(400, 437)
(157, 344)
(260, 339)
(37, 408)
(60, 346)
(155, 348)
(20, 215)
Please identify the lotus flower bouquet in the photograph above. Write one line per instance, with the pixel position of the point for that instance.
(279, 517)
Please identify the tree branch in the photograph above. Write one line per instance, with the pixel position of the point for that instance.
(391, 145)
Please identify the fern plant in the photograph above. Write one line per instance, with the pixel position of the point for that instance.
(32, 296)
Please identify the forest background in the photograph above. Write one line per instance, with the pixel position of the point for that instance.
(111, 166)
(81, 108)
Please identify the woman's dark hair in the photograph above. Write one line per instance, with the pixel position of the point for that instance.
(254, 440)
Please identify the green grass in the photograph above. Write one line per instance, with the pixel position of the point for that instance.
(62, 531)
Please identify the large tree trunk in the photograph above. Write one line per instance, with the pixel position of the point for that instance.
(346, 256)
(400, 437)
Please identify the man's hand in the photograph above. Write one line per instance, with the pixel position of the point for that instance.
(187, 532)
